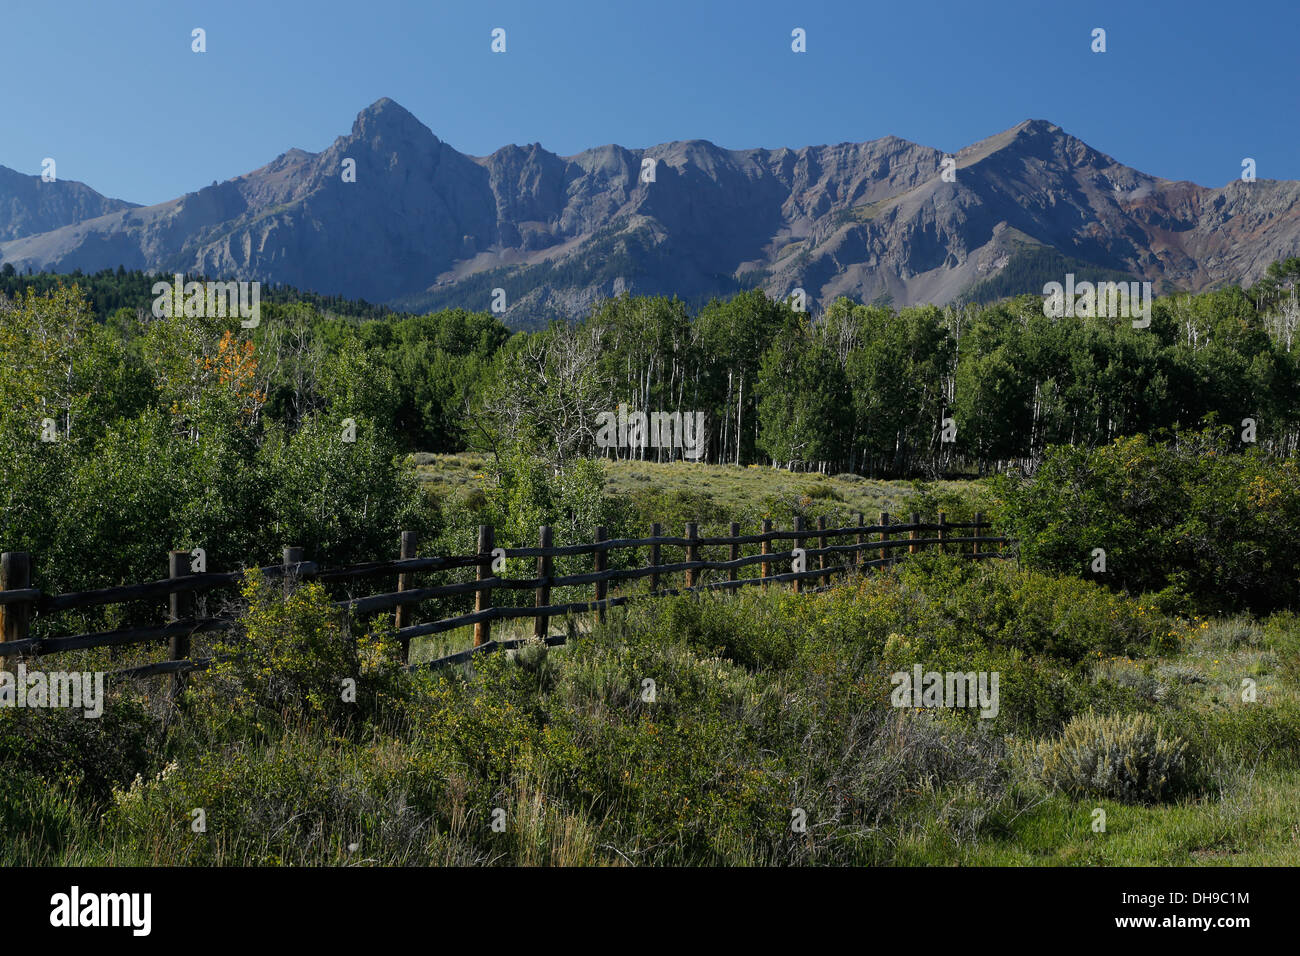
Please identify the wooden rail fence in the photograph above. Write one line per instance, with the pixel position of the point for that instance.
(20, 602)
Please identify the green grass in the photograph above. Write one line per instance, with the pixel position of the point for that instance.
(718, 492)
(1256, 822)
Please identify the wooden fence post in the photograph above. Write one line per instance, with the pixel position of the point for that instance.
(483, 597)
(822, 564)
(913, 534)
(857, 540)
(15, 619)
(979, 532)
(798, 543)
(885, 553)
(405, 616)
(692, 552)
(733, 574)
(180, 608)
(656, 531)
(943, 531)
(542, 597)
(599, 564)
(766, 566)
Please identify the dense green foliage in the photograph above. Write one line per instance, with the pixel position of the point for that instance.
(1191, 517)
(869, 390)
(161, 442)
(859, 388)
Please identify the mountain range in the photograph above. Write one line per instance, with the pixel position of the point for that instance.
(424, 226)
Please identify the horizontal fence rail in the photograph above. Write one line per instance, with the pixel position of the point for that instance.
(809, 565)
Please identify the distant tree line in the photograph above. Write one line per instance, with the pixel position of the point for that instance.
(858, 388)
(111, 290)
(919, 391)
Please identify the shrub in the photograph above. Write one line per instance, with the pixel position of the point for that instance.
(823, 491)
(1189, 516)
(89, 756)
(519, 492)
(1240, 737)
(1062, 617)
(293, 656)
(341, 501)
(673, 508)
(302, 798)
(743, 629)
(1121, 757)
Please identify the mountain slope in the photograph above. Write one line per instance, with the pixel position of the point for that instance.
(425, 226)
(29, 205)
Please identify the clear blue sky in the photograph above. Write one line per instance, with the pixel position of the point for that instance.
(112, 91)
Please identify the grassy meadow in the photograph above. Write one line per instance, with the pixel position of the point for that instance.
(716, 494)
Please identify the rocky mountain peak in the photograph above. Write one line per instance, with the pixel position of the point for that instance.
(425, 226)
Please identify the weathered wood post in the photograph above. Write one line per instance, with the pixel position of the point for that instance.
(822, 563)
(733, 574)
(405, 616)
(542, 596)
(15, 618)
(599, 564)
(858, 540)
(943, 531)
(979, 532)
(180, 606)
(885, 552)
(798, 543)
(913, 534)
(766, 549)
(656, 531)
(483, 596)
(692, 553)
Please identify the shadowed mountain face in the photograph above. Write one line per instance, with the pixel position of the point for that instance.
(29, 206)
(424, 226)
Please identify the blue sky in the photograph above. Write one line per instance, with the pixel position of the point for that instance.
(112, 91)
